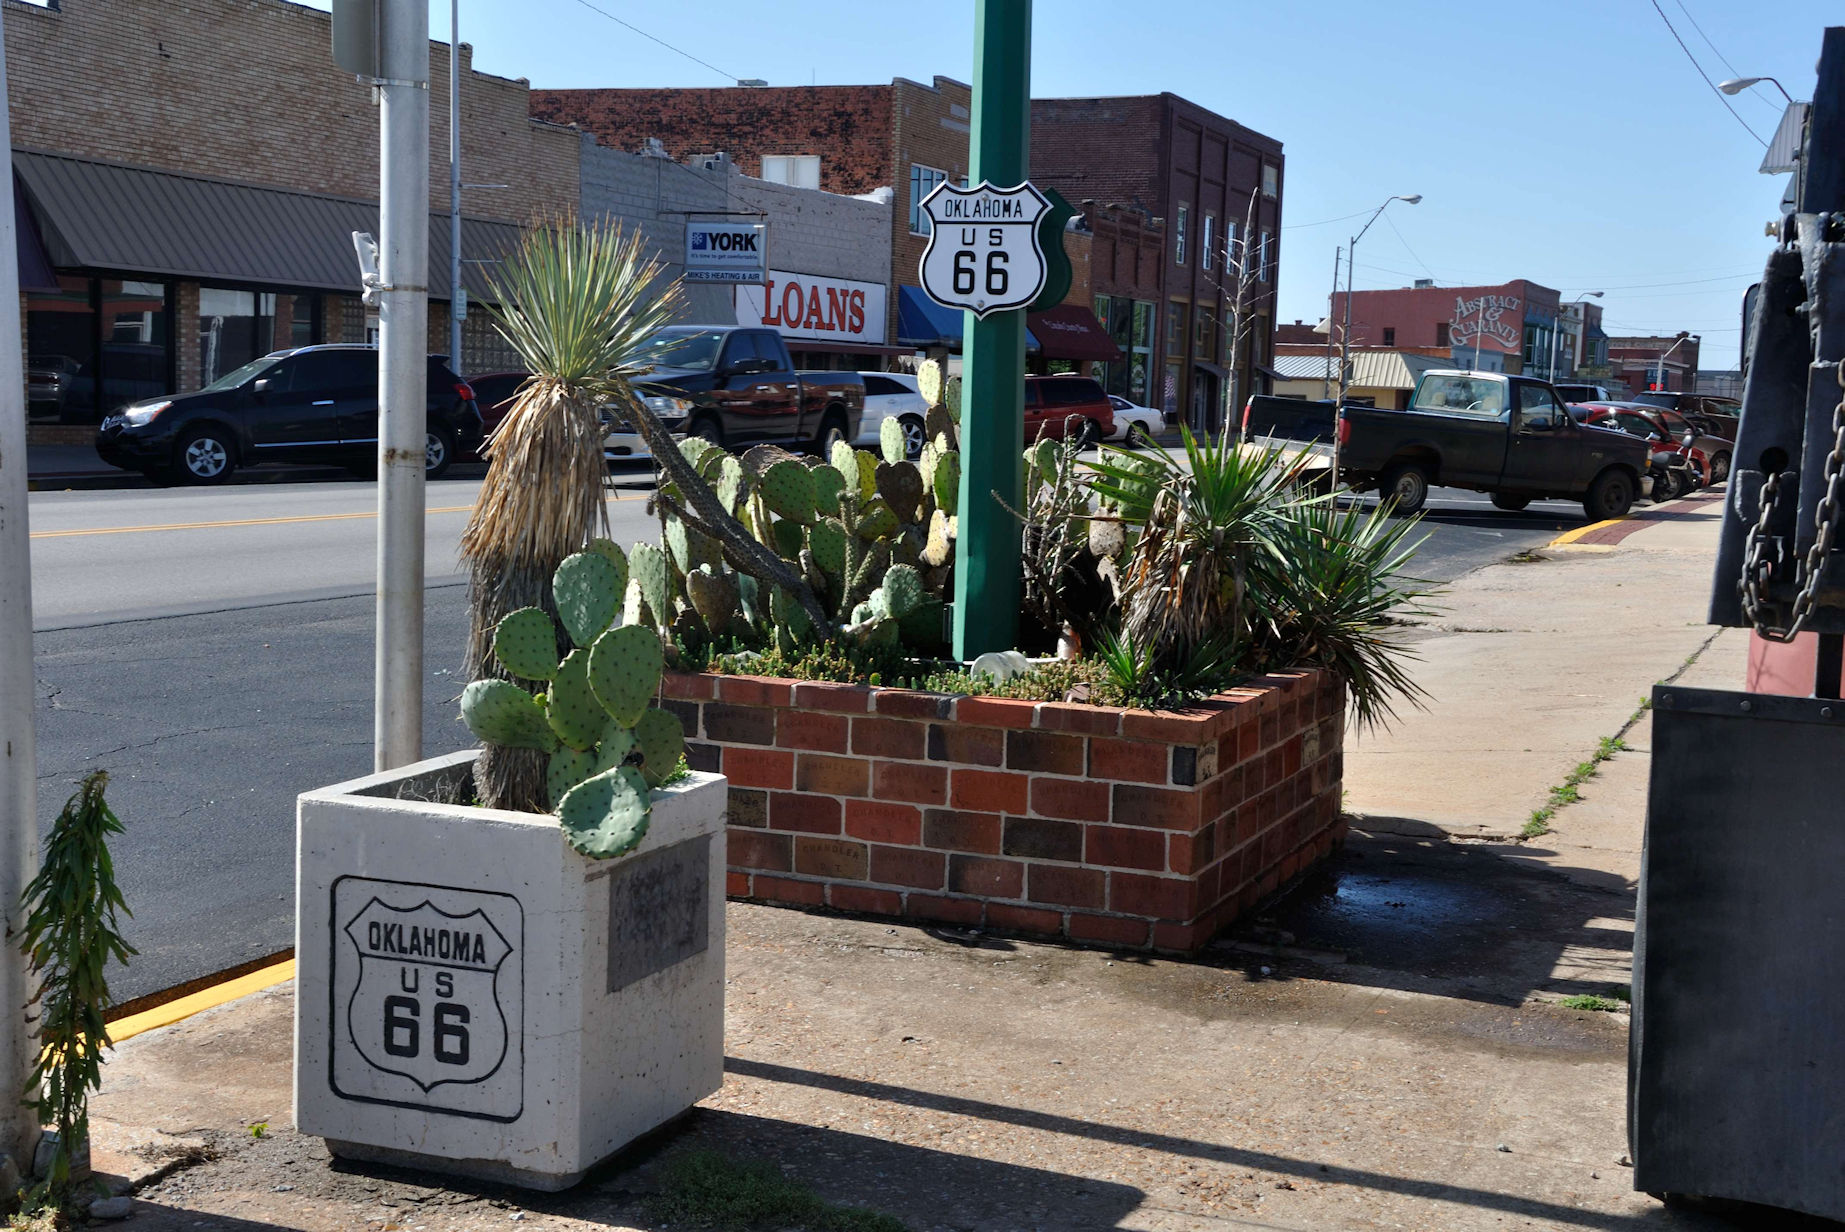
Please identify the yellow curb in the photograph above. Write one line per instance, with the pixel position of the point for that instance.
(205, 999)
(1571, 536)
(1587, 549)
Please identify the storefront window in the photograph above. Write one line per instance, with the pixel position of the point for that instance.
(234, 328)
(61, 362)
(137, 342)
(1130, 327)
(1169, 396)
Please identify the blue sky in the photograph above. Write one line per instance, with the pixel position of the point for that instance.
(1570, 142)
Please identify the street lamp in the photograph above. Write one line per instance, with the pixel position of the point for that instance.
(1554, 332)
(1345, 337)
(1736, 85)
(1683, 338)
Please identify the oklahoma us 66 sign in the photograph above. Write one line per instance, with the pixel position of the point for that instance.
(983, 252)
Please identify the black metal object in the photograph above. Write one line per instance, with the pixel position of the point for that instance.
(1736, 1075)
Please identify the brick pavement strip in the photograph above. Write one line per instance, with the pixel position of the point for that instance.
(987, 1084)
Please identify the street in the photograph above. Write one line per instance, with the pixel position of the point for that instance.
(212, 650)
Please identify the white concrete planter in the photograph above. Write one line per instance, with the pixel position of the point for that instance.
(474, 997)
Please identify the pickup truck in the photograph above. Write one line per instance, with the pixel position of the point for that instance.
(1507, 435)
(735, 387)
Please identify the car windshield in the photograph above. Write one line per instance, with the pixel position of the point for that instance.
(1461, 394)
(239, 376)
(695, 350)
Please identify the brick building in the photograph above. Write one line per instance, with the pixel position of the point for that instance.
(1503, 328)
(1668, 362)
(1212, 189)
(232, 160)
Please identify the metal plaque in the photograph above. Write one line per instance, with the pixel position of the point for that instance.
(658, 912)
(985, 253)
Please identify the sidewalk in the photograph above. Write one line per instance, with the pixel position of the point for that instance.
(1410, 1072)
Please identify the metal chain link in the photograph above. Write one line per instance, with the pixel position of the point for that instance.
(1759, 556)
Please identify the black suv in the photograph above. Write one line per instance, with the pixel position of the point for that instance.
(310, 404)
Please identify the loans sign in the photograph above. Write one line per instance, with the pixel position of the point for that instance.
(804, 306)
(984, 254)
(726, 251)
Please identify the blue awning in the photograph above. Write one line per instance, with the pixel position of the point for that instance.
(921, 322)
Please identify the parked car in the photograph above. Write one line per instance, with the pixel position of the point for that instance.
(1689, 404)
(1134, 424)
(894, 395)
(1057, 407)
(1491, 432)
(307, 404)
(736, 386)
(1714, 450)
(1574, 392)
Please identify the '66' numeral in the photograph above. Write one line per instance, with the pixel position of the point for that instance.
(403, 1029)
(999, 277)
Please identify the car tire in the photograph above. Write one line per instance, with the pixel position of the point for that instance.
(1510, 503)
(1139, 436)
(915, 435)
(1610, 496)
(1719, 469)
(204, 457)
(832, 428)
(706, 428)
(438, 451)
(1666, 487)
(1406, 487)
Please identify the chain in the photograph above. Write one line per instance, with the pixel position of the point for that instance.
(1758, 557)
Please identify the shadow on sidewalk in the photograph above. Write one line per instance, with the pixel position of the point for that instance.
(1481, 921)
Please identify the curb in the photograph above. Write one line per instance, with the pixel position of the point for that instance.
(1615, 530)
(216, 990)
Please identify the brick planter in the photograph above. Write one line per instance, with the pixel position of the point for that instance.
(1138, 829)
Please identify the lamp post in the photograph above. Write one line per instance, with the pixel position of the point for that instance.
(1554, 332)
(1345, 333)
(1682, 339)
(1736, 85)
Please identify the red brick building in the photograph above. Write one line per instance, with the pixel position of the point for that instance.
(1667, 363)
(1505, 328)
(1208, 184)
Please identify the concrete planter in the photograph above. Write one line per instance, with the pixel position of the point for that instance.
(1125, 828)
(474, 997)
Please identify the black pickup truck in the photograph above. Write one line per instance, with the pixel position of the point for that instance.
(736, 387)
(1507, 435)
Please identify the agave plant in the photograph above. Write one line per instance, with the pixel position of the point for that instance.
(579, 305)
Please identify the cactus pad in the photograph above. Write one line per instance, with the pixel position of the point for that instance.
(929, 381)
(948, 482)
(695, 449)
(867, 473)
(901, 486)
(940, 546)
(500, 712)
(922, 628)
(951, 398)
(525, 643)
(624, 671)
(651, 569)
(890, 440)
(939, 428)
(877, 521)
(573, 712)
(1043, 457)
(828, 484)
(588, 592)
(788, 490)
(613, 749)
(660, 737)
(827, 541)
(713, 596)
(790, 538)
(1106, 537)
(606, 816)
(845, 460)
(903, 590)
(732, 484)
(566, 769)
(690, 548)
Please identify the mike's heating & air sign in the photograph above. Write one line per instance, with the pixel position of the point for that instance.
(735, 252)
(805, 306)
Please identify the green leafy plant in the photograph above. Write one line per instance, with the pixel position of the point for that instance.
(72, 933)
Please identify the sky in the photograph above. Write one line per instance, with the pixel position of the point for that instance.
(1572, 142)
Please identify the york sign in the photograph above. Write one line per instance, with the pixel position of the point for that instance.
(983, 252)
(726, 251)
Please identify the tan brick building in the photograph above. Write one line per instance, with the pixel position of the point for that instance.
(237, 160)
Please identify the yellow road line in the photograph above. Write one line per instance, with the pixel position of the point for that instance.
(204, 999)
(1571, 536)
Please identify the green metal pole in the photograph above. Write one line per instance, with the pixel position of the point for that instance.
(987, 575)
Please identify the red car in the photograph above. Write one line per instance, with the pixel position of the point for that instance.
(1711, 453)
(1057, 407)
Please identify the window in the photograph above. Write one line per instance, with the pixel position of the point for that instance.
(1535, 403)
(94, 344)
(342, 372)
(1262, 252)
(1461, 395)
(1205, 326)
(1175, 328)
(1390, 335)
(1441, 333)
(1209, 237)
(923, 181)
(234, 328)
(795, 170)
(1271, 181)
(1178, 237)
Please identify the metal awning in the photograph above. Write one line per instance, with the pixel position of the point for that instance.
(35, 272)
(111, 216)
(1071, 331)
(921, 322)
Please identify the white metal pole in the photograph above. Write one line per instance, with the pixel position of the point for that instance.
(18, 766)
(1338, 256)
(403, 345)
(455, 292)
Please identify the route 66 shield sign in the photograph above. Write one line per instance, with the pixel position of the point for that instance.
(426, 986)
(983, 253)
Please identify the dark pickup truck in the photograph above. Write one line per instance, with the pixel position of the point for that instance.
(737, 387)
(1507, 435)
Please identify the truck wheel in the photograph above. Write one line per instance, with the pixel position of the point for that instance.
(204, 456)
(1610, 496)
(707, 429)
(833, 428)
(1510, 503)
(1407, 487)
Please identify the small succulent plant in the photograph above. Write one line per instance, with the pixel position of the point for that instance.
(608, 746)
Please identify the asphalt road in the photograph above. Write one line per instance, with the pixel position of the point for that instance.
(212, 650)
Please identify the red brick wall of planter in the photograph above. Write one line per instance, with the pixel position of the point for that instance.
(1138, 829)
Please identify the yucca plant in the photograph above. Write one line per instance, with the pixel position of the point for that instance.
(579, 304)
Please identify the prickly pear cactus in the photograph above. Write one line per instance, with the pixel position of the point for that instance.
(947, 481)
(587, 594)
(624, 671)
(660, 737)
(525, 643)
(566, 769)
(903, 590)
(901, 486)
(652, 571)
(828, 484)
(890, 440)
(788, 490)
(606, 816)
(611, 551)
(573, 712)
(500, 712)
(713, 596)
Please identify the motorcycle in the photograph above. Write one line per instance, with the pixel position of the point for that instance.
(1672, 469)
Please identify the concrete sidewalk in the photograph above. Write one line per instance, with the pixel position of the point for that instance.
(1410, 1072)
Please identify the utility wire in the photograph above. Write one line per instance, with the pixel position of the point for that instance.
(1324, 221)
(1694, 64)
(1411, 251)
(662, 42)
(1734, 71)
